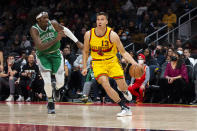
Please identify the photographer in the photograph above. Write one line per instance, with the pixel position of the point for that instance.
(30, 80)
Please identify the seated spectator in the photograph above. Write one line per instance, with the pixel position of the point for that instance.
(15, 47)
(170, 52)
(170, 19)
(30, 81)
(9, 76)
(78, 68)
(68, 55)
(188, 59)
(149, 60)
(25, 44)
(138, 85)
(175, 79)
(160, 55)
(124, 39)
(146, 26)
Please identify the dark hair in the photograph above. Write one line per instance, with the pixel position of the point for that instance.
(102, 13)
(34, 12)
(179, 60)
(188, 49)
(11, 55)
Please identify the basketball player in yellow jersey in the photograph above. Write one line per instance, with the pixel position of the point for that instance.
(104, 45)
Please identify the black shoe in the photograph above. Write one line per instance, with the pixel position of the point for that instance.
(51, 108)
(193, 102)
(164, 101)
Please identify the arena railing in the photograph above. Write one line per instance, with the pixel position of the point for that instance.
(183, 29)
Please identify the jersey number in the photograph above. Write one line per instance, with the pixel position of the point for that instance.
(105, 43)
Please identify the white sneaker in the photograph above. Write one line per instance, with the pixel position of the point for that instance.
(10, 98)
(124, 112)
(28, 99)
(20, 98)
(127, 95)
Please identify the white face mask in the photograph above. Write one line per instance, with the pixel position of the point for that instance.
(141, 62)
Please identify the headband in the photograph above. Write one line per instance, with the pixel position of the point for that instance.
(41, 14)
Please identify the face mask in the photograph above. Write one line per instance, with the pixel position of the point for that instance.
(123, 37)
(173, 58)
(141, 62)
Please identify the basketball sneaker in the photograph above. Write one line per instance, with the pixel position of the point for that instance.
(124, 112)
(51, 108)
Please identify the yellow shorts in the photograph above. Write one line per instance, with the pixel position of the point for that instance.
(110, 67)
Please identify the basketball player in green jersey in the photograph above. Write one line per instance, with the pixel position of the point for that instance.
(46, 35)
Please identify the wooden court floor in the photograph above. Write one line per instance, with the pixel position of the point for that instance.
(96, 117)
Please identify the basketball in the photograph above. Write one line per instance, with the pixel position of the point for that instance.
(136, 71)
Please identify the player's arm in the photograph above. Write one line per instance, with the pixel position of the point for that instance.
(116, 40)
(38, 43)
(58, 27)
(86, 51)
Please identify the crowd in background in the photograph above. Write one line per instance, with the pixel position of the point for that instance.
(131, 19)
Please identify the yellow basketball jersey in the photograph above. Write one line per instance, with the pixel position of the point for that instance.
(101, 46)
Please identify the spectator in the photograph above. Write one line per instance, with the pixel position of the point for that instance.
(9, 76)
(170, 19)
(160, 56)
(30, 81)
(170, 52)
(175, 79)
(149, 59)
(16, 45)
(140, 83)
(188, 59)
(68, 55)
(124, 39)
(25, 44)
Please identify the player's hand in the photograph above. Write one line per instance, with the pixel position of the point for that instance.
(84, 71)
(60, 35)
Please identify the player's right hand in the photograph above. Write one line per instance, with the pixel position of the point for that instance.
(60, 35)
(84, 71)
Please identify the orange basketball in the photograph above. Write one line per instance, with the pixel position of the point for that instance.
(136, 71)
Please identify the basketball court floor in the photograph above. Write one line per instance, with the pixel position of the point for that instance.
(24, 116)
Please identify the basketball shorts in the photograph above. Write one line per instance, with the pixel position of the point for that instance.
(50, 62)
(110, 67)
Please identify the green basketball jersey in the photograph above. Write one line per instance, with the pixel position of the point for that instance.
(48, 35)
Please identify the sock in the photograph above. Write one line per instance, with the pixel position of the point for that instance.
(50, 99)
(122, 104)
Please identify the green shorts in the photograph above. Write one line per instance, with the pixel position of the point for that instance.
(49, 62)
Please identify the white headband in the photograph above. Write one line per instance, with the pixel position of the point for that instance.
(41, 14)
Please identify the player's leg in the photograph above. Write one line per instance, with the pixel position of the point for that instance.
(123, 87)
(116, 72)
(58, 70)
(104, 81)
(45, 69)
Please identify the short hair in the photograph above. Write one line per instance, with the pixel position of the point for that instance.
(34, 12)
(102, 13)
(189, 50)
